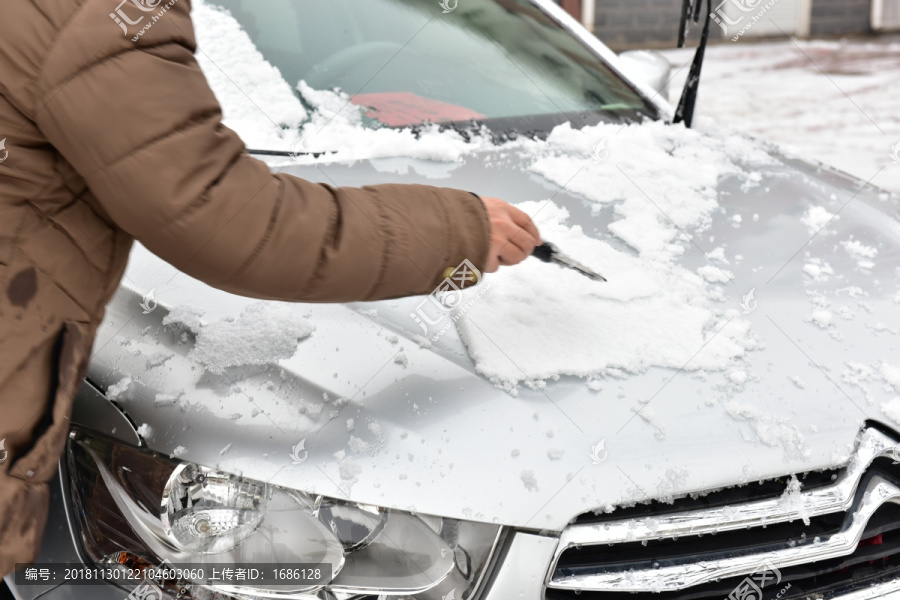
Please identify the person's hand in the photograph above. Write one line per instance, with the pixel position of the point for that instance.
(513, 235)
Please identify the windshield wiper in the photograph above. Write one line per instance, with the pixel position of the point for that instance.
(688, 101)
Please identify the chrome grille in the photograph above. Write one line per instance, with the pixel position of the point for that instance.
(676, 554)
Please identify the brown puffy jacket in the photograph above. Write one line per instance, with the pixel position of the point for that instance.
(108, 140)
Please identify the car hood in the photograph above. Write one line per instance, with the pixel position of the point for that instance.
(363, 411)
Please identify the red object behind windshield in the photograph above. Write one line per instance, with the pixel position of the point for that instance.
(397, 109)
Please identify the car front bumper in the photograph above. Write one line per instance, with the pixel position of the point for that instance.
(519, 572)
(520, 568)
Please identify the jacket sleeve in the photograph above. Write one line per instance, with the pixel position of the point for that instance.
(139, 122)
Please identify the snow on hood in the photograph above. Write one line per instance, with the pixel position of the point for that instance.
(445, 441)
(264, 332)
(535, 323)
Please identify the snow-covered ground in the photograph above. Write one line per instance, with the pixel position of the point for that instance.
(834, 101)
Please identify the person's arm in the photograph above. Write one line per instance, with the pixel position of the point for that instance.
(140, 124)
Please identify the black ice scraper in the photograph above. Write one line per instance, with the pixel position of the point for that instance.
(547, 252)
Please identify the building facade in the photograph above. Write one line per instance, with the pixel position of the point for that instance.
(624, 24)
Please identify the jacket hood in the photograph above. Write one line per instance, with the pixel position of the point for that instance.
(372, 408)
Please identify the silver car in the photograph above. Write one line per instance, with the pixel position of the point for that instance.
(380, 450)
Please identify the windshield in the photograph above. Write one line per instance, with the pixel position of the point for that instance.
(500, 62)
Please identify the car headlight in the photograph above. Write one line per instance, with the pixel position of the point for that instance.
(210, 512)
(136, 508)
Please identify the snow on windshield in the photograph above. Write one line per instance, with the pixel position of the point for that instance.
(266, 113)
(256, 100)
(336, 127)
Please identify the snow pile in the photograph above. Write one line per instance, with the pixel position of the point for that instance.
(185, 317)
(118, 388)
(816, 218)
(264, 332)
(861, 252)
(770, 430)
(529, 480)
(336, 127)
(792, 500)
(818, 269)
(861, 376)
(822, 317)
(658, 178)
(539, 321)
(891, 410)
(891, 375)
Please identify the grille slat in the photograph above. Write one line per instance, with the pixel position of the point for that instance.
(764, 490)
(810, 536)
(685, 550)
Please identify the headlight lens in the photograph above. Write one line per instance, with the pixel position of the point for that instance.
(355, 526)
(139, 508)
(209, 512)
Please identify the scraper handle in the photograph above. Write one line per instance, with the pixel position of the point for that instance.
(544, 252)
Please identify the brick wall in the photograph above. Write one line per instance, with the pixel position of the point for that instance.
(840, 17)
(626, 24)
(623, 24)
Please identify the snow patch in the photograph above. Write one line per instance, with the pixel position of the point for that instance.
(358, 446)
(555, 453)
(858, 249)
(818, 270)
(349, 470)
(539, 321)
(264, 332)
(117, 389)
(714, 274)
(891, 410)
(792, 500)
(422, 341)
(770, 430)
(822, 317)
(815, 218)
(336, 127)
(738, 377)
(891, 375)
(185, 317)
(256, 101)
